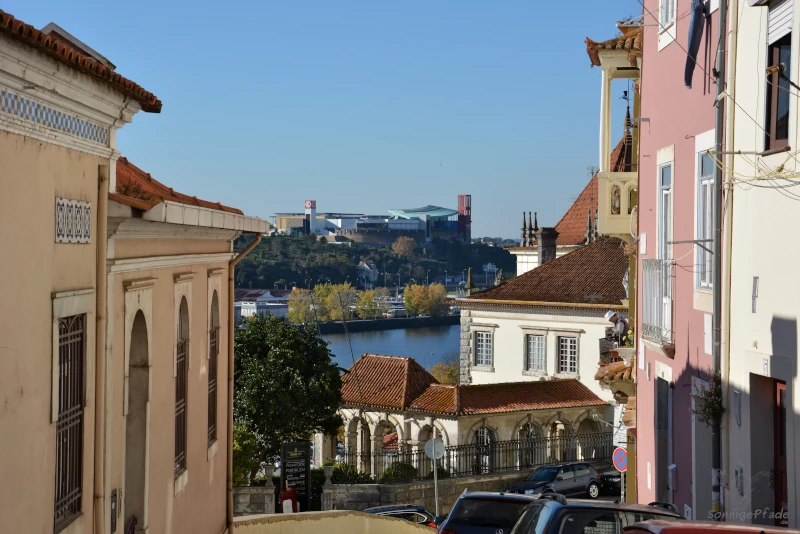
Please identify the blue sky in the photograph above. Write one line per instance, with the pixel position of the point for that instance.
(362, 106)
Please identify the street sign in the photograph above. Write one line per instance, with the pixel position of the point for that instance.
(295, 467)
(434, 448)
(620, 459)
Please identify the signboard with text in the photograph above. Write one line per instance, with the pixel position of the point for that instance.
(295, 467)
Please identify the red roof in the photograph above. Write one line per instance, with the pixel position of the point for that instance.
(390, 441)
(387, 381)
(614, 371)
(592, 274)
(630, 40)
(384, 382)
(138, 189)
(63, 52)
(572, 226)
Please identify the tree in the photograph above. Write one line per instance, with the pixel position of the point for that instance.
(339, 300)
(300, 310)
(414, 299)
(447, 371)
(437, 300)
(367, 306)
(286, 387)
(404, 247)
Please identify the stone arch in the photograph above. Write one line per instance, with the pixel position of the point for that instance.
(589, 440)
(442, 431)
(632, 197)
(136, 427)
(557, 430)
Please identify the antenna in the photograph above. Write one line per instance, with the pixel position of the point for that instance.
(591, 170)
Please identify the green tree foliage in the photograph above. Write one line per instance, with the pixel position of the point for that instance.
(430, 300)
(398, 473)
(448, 370)
(286, 386)
(367, 305)
(245, 449)
(339, 299)
(404, 247)
(300, 310)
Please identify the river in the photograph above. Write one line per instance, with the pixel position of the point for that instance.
(427, 345)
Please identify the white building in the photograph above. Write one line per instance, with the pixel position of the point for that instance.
(549, 322)
(760, 469)
(249, 302)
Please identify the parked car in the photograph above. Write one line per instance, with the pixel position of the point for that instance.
(574, 478)
(706, 527)
(610, 482)
(485, 513)
(554, 513)
(409, 512)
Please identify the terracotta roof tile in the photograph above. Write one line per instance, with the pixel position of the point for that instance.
(61, 51)
(630, 40)
(138, 189)
(384, 382)
(524, 396)
(390, 441)
(614, 371)
(438, 398)
(572, 226)
(589, 275)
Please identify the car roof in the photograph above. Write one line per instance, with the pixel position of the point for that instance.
(657, 526)
(498, 496)
(631, 507)
(395, 508)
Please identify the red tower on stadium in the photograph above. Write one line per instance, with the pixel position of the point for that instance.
(465, 217)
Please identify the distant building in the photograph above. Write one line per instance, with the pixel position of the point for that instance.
(249, 302)
(368, 274)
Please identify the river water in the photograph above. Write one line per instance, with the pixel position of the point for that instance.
(427, 345)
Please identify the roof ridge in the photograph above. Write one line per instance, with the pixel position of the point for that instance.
(406, 400)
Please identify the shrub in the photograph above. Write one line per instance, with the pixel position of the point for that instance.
(441, 472)
(399, 472)
(348, 474)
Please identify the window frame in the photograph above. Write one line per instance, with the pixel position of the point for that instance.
(665, 201)
(483, 331)
(560, 369)
(668, 6)
(183, 289)
(705, 223)
(772, 99)
(527, 367)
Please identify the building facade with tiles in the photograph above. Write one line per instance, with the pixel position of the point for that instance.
(113, 304)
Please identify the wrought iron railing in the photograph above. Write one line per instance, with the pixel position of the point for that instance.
(477, 459)
(657, 292)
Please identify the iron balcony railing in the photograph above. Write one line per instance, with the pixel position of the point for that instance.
(483, 458)
(657, 295)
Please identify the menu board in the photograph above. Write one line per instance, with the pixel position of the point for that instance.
(295, 466)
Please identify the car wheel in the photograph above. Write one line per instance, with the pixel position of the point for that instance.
(593, 491)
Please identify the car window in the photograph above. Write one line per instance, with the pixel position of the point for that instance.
(544, 474)
(408, 516)
(582, 470)
(566, 473)
(527, 522)
(487, 513)
(419, 518)
(630, 518)
(590, 522)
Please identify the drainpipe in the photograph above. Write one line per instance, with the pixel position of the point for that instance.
(728, 230)
(716, 438)
(231, 328)
(100, 351)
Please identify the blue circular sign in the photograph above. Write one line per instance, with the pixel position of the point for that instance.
(620, 458)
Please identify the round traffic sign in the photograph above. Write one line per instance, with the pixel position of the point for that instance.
(620, 459)
(434, 448)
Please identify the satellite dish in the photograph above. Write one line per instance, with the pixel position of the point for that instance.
(434, 448)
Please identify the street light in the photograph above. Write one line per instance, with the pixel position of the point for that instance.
(445, 278)
(427, 281)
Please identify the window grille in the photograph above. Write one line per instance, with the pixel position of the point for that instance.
(69, 425)
(213, 352)
(483, 348)
(568, 355)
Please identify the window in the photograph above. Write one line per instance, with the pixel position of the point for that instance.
(181, 379)
(483, 348)
(667, 13)
(705, 219)
(566, 473)
(568, 355)
(483, 446)
(665, 211)
(582, 470)
(535, 360)
(213, 352)
(69, 424)
(778, 92)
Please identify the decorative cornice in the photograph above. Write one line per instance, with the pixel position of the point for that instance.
(216, 272)
(138, 284)
(183, 277)
(162, 262)
(133, 228)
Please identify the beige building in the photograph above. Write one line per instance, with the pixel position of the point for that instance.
(115, 350)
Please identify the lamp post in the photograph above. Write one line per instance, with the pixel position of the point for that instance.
(427, 274)
(445, 278)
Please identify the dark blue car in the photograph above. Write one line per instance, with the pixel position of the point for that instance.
(485, 513)
(575, 478)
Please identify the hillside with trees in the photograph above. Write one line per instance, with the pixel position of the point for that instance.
(283, 261)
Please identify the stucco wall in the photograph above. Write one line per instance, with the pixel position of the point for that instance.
(35, 266)
(137, 248)
(334, 522)
(200, 504)
(763, 343)
(677, 119)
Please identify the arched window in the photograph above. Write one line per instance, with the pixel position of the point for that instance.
(616, 200)
(181, 379)
(483, 450)
(213, 352)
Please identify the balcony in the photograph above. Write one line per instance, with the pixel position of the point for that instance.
(618, 195)
(657, 294)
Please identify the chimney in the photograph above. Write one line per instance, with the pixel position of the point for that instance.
(546, 240)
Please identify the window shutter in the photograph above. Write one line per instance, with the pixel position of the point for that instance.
(779, 22)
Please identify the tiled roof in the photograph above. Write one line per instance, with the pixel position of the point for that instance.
(630, 40)
(614, 371)
(384, 382)
(253, 294)
(138, 189)
(61, 51)
(589, 275)
(390, 441)
(572, 226)
(438, 398)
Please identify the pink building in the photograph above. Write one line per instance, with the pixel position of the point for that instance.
(673, 449)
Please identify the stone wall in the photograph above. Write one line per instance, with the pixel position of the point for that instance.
(253, 500)
(362, 496)
(466, 348)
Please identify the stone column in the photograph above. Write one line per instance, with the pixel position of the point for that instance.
(269, 488)
(350, 448)
(327, 490)
(605, 121)
(377, 460)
